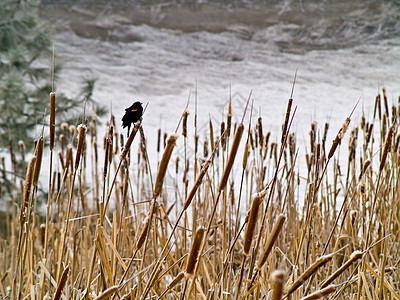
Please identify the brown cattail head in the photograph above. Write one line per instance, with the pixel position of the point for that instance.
(320, 293)
(108, 293)
(229, 119)
(158, 139)
(81, 141)
(205, 148)
(251, 225)
(176, 280)
(260, 132)
(72, 131)
(271, 241)
(211, 134)
(223, 134)
(310, 271)
(246, 154)
(232, 155)
(184, 122)
(367, 163)
(286, 124)
(388, 144)
(162, 169)
(27, 188)
(194, 251)
(278, 282)
(339, 137)
(356, 255)
(68, 160)
(39, 155)
(146, 227)
(130, 140)
(52, 120)
(61, 283)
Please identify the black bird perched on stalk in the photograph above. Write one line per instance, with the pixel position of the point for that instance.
(132, 115)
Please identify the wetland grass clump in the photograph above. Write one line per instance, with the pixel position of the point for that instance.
(254, 218)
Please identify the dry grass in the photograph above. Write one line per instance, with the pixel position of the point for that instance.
(110, 233)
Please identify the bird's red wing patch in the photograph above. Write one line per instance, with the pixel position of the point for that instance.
(135, 109)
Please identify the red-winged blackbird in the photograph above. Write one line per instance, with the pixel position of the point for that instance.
(132, 115)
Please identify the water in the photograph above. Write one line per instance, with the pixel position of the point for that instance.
(159, 52)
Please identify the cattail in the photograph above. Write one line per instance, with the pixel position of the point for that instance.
(362, 122)
(27, 188)
(68, 160)
(146, 228)
(72, 131)
(63, 141)
(184, 122)
(339, 137)
(320, 293)
(81, 140)
(278, 281)
(385, 101)
(129, 141)
(377, 106)
(176, 280)
(286, 124)
(177, 165)
(313, 135)
(229, 119)
(394, 114)
(22, 149)
(310, 271)
(388, 144)
(364, 169)
(110, 143)
(64, 128)
(52, 120)
(158, 140)
(61, 284)
(223, 134)
(232, 155)
(106, 294)
(205, 148)
(196, 142)
(246, 154)
(211, 134)
(369, 134)
(396, 146)
(251, 225)
(260, 132)
(162, 169)
(271, 241)
(194, 251)
(384, 124)
(39, 155)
